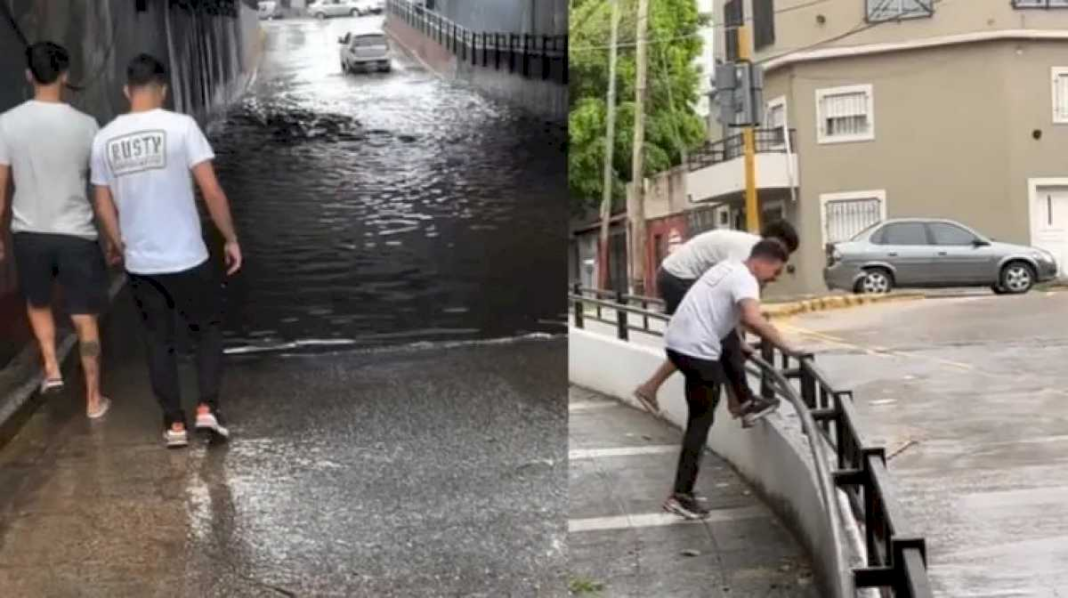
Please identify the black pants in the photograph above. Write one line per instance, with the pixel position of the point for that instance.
(703, 381)
(196, 296)
(672, 289)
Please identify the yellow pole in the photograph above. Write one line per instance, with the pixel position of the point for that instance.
(752, 211)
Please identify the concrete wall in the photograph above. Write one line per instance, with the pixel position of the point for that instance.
(538, 17)
(773, 456)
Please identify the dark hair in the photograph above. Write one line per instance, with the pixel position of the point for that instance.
(771, 250)
(784, 232)
(145, 70)
(47, 61)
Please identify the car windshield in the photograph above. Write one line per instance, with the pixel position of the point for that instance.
(369, 40)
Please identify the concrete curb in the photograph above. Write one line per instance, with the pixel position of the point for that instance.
(776, 311)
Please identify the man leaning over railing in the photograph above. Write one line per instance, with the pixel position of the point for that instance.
(724, 297)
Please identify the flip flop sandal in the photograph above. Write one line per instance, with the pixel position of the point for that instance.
(646, 402)
(105, 405)
(52, 385)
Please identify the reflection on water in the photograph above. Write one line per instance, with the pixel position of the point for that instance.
(387, 208)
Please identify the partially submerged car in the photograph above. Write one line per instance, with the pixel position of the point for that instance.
(367, 51)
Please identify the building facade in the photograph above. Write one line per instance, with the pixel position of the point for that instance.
(900, 108)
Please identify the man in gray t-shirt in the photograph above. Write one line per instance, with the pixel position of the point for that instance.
(44, 148)
(683, 268)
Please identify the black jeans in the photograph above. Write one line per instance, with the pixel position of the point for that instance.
(703, 381)
(196, 296)
(733, 361)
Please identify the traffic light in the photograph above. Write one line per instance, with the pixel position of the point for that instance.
(739, 94)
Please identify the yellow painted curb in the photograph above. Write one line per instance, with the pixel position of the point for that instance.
(786, 310)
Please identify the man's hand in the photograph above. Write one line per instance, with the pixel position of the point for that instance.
(748, 350)
(233, 257)
(114, 252)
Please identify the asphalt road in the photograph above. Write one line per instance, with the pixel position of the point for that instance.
(972, 391)
(435, 471)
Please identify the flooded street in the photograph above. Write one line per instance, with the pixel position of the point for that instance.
(386, 208)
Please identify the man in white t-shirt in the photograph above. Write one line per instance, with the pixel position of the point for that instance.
(680, 271)
(44, 147)
(724, 297)
(144, 165)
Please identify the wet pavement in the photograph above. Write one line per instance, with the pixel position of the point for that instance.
(386, 208)
(386, 473)
(972, 394)
(620, 542)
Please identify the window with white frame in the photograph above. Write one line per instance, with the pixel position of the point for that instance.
(775, 119)
(845, 114)
(1040, 3)
(1060, 94)
(844, 215)
(892, 10)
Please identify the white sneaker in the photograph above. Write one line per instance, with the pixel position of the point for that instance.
(208, 422)
(175, 436)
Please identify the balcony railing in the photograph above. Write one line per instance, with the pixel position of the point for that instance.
(727, 149)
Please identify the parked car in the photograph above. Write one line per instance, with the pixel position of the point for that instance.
(322, 9)
(365, 51)
(927, 253)
(269, 10)
(370, 7)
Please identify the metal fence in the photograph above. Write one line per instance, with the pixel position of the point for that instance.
(896, 556)
(531, 56)
(729, 148)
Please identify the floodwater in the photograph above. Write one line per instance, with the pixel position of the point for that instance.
(386, 208)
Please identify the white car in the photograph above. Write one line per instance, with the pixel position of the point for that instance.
(323, 9)
(370, 7)
(365, 51)
(269, 10)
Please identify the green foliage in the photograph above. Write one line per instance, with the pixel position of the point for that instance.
(671, 125)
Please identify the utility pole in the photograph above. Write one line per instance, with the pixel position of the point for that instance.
(609, 145)
(752, 211)
(636, 210)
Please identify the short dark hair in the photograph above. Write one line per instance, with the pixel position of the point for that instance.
(784, 232)
(145, 70)
(769, 249)
(47, 61)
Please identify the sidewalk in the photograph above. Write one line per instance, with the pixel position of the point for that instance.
(403, 473)
(622, 544)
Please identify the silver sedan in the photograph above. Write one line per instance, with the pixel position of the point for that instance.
(927, 253)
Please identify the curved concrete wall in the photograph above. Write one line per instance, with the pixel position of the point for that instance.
(773, 456)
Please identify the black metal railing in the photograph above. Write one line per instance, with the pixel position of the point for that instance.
(766, 141)
(531, 56)
(896, 556)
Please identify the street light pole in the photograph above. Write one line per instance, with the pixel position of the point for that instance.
(752, 211)
(609, 145)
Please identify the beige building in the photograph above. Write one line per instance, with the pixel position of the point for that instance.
(902, 108)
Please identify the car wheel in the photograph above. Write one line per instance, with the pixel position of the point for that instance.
(998, 290)
(355, 13)
(320, 15)
(1017, 277)
(876, 281)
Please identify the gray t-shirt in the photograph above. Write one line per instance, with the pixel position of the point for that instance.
(700, 253)
(711, 310)
(47, 145)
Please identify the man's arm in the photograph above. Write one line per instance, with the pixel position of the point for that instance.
(754, 320)
(5, 177)
(219, 210)
(108, 216)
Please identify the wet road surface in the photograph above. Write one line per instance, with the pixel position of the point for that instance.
(621, 463)
(386, 208)
(979, 386)
(402, 473)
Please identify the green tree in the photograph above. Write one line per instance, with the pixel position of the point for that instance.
(671, 124)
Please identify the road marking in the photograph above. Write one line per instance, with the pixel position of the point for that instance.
(623, 451)
(583, 406)
(644, 520)
(875, 350)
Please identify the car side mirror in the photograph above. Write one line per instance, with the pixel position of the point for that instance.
(980, 243)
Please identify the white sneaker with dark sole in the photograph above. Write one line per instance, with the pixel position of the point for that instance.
(175, 438)
(208, 424)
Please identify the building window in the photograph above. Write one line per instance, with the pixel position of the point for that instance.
(1060, 94)
(1040, 3)
(763, 23)
(775, 119)
(893, 10)
(845, 215)
(845, 114)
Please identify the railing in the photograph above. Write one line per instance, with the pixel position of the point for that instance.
(531, 56)
(727, 149)
(896, 556)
